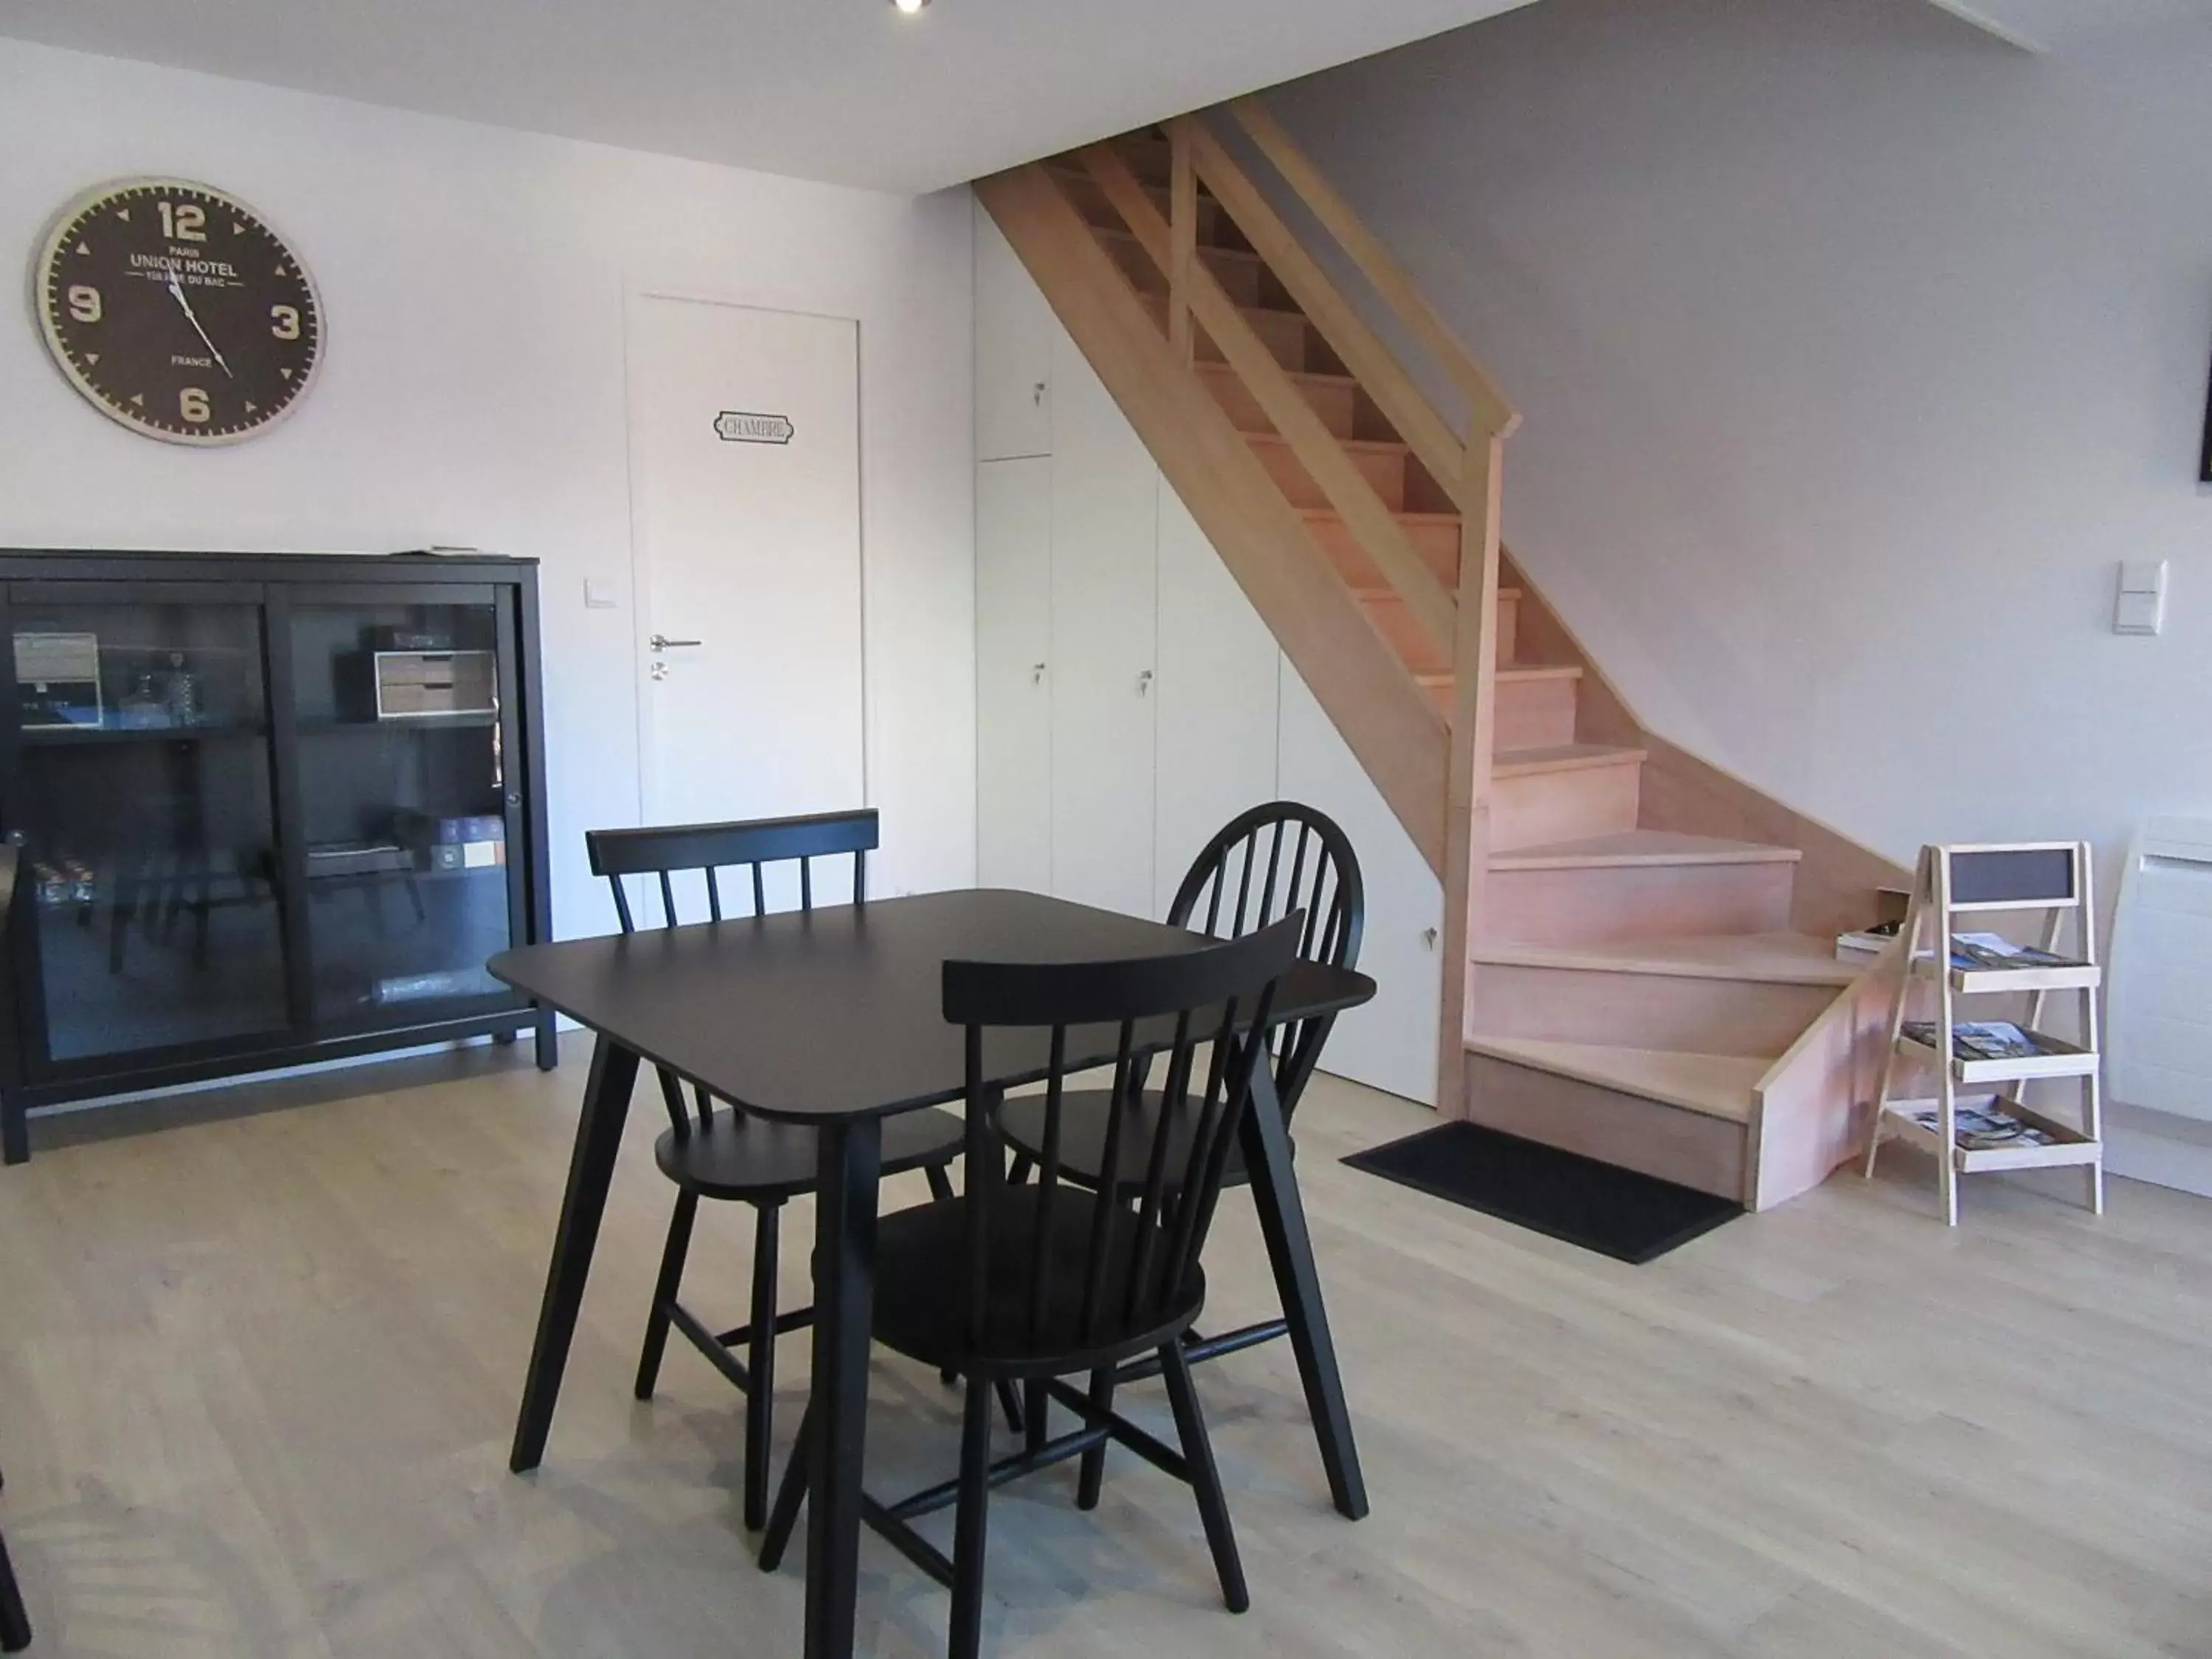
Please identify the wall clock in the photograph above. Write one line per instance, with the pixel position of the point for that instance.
(176, 310)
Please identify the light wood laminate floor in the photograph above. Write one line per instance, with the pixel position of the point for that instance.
(257, 1373)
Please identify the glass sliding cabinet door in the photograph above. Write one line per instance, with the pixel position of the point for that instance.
(149, 909)
(408, 808)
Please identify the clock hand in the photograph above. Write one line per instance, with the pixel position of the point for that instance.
(177, 291)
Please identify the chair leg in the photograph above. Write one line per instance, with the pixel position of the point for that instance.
(664, 1291)
(1093, 1475)
(1009, 1402)
(1036, 1406)
(14, 1621)
(940, 1184)
(971, 1525)
(790, 1493)
(1019, 1170)
(1205, 1477)
(760, 1365)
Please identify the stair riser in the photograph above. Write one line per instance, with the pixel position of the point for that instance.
(1531, 714)
(1385, 468)
(1626, 1131)
(1335, 401)
(1285, 334)
(1548, 807)
(1214, 228)
(1240, 275)
(1642, 1010)
(1593, 906)
(1437, 543)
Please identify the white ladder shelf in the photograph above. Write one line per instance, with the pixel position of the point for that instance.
(2051, 878)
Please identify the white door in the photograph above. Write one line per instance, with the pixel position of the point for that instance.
(745, 500)
(1216, 689)
(1391, 1042)
(1014, 330)
(1105, 512)
(1013, 674)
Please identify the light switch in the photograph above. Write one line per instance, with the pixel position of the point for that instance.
(2139, 606)
(600, 594)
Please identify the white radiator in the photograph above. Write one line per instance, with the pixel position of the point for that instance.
(2159, 1003)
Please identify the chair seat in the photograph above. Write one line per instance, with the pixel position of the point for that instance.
(756, 1160)
(1085, 1114)
(922, 1289)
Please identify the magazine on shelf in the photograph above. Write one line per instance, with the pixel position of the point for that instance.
(1984, 1125)
(1972, 951)
(1981, 1039)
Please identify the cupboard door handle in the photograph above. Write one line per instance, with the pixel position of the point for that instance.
(1037, 394)
(662, 643)
(1144, 682)
(1036, 673)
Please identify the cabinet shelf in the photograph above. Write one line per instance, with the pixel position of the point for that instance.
(319, 728)
(57, 737)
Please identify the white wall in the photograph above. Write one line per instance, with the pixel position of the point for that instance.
(1856, 349)
(472, 282)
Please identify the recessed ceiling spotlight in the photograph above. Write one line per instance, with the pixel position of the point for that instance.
(909, 7)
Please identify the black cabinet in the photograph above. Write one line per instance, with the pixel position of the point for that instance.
(261, 809)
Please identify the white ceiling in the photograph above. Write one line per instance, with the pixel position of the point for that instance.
(845, 90)
(2053, 25)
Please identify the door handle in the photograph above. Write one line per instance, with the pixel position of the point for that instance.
(1144, 682)
(662, 643)
(1036, 673)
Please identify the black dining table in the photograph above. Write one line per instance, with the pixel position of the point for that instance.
(833, 1018)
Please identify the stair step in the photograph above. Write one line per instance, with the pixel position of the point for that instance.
(1644, 884)
(1713, 1085)
(1564, 757)
(1386, 465)
(1241, 272)
(1751, 995)
(1435, 536)
(1775, 958)
(1334, 397)
(1215, 228)
(1565, 793)
(1643, 847)
(1296, 344)
(1426, 659)
(1535, 702)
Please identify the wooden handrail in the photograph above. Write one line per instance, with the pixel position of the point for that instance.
(1492, 413)
(1348, 489)
(1371, 362)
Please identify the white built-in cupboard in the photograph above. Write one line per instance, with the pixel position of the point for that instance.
(1129, 700)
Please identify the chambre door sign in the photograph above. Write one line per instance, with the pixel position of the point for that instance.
(734, 426)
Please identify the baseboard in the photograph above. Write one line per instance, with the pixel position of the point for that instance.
(2160, 1148)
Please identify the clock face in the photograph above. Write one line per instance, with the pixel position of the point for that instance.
(176, 311)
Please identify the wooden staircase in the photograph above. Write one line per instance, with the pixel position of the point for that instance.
(1639, 963)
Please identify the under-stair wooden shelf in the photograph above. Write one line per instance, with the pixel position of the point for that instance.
(2052, 878)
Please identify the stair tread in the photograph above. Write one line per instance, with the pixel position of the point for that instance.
(1712, 1085)
(1564, 757)
(1240, 254)
(1643, 846)
(1330, 513)
(1766, 958)
(1522, 672)
(1375, 446)
(1379, 591)
(1226, 371)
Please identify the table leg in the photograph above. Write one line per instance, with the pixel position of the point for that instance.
(591, 1168)
(850, 1170)
(1290, 1250)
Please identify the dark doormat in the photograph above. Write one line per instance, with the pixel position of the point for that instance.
(1629, 1217)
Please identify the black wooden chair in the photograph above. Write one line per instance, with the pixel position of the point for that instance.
(721, 1152)
(14, 1622)
(1266, 864)
(1045, 1281)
